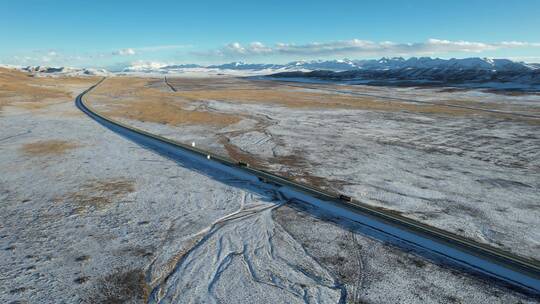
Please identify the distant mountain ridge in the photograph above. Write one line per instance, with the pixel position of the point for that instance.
(64, 71)
(474, 63)
(387, 63)
(500, 73)
(468, 72)
(384, 63)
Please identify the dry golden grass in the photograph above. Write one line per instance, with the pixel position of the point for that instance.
(296, 98)
(448, 100)
(238, 155)
(15, 82)
(47, 147)
(168, 112)
(295, 163)
(299, 99)
(492, 106)
(22, 90)
(198, 84)
(297, 168)
(151, 100)
(131, 98)
(99, 194)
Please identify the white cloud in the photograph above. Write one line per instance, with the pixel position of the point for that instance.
(141, 64)
(146, 49)
(254, 48)
(363, 47)
(157, 48)
(125, 52)
(259, 48)
(519, 44)
(529, 59)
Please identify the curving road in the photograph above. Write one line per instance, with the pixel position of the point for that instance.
(433, 243)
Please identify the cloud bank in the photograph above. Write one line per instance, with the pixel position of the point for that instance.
(149, 49)
(125, 52)
(357, 47)
(278, 52)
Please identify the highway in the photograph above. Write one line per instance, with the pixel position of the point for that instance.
(170, 85)
(436, 244)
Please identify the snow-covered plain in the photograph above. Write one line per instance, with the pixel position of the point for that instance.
(106, 220)
(475, 174)
(109, 221)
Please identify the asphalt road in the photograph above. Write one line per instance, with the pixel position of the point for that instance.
(433, 243)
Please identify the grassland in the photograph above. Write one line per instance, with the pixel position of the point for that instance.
(88, 216)
(470, 171)
(24, 90)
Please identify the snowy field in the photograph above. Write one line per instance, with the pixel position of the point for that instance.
(88, 216)
(476, 177)
(475, 173)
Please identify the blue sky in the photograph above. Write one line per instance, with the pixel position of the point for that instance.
(118, 33)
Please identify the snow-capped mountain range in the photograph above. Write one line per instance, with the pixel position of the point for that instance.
(468, 72)
(415, 70)
(348, 65)
(67, 71)
(396, 63)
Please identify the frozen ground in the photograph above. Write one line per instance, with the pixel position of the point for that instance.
(472, 176)
(504, 101)
(88, 216)
(474, 173)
